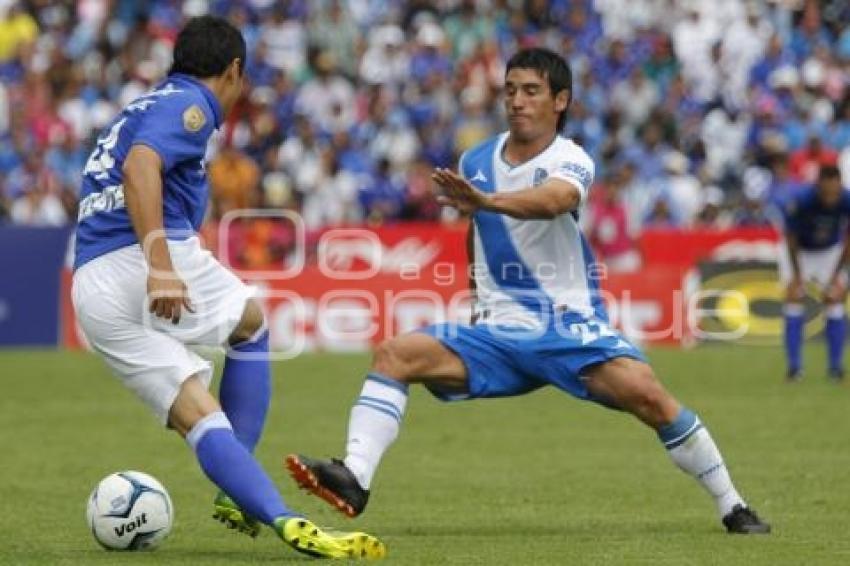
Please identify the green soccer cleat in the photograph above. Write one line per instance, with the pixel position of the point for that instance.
(305, 537)
(229, 513)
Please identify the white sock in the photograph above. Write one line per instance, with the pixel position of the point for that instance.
(373, 425)
(699, 456)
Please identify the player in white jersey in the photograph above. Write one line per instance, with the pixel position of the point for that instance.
(539, 319)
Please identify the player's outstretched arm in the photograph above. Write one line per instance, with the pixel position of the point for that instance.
(143, 196)
(551, 199)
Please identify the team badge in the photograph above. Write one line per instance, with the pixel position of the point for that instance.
(539, 176)
(193, 118)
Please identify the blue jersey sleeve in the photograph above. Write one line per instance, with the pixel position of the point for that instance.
(177, 128)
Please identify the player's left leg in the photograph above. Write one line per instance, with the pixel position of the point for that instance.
(245, 394)
(631, 385)
(836, 333)
(245, 390)
(197, 417)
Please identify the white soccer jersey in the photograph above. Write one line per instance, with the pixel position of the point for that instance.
(526, 268)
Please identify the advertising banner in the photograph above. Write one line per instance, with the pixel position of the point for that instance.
(358, 285)
(31, 260)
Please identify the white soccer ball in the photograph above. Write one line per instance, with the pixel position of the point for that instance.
(130, 511)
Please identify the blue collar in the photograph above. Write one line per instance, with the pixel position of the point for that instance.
(208, 94)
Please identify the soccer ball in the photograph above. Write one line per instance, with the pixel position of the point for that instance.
(129, 511)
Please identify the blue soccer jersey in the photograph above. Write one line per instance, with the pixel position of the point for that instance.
(176, 120)
(815, 226)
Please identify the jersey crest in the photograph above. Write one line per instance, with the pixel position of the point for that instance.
(193, 118)
(540, 175)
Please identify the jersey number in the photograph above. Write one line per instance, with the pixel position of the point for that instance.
(590, 331)
(100, 161)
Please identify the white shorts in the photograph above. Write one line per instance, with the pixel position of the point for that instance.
(149, 354)
(816, 266)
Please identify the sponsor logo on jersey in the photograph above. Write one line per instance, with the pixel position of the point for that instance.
(193, 118)
(540, 175)
(581, 174)
(110, 198)
(479, 176)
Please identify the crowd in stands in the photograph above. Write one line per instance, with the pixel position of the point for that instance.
(696, 113)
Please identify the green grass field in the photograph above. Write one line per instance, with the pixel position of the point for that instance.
(541, 479)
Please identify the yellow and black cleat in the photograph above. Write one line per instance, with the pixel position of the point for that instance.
(305, 537)
(229, 513)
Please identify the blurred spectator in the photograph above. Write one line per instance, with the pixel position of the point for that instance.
(362, 98)
(334, 31)
(233, 179)
(327, 98)
(383, 198)
(608, 228)
(385, 61)
(805, 163)
(333, 198)
(683, 189)
(635, 97)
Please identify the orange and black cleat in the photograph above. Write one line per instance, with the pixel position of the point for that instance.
(330, 480)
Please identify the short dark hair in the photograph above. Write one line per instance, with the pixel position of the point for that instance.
(206, 46)
(552, 67)
(829, 172)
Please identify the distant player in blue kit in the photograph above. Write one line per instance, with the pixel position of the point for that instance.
(817, 222)
(144, 288)
(539, 320)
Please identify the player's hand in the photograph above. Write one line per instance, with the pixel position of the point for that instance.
(168, 295)
(835, 291)
(458, 192)
(796, 290)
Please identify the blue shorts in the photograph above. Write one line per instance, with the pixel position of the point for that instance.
(507, 361)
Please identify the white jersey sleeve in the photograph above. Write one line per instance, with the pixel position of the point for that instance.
(575, 166)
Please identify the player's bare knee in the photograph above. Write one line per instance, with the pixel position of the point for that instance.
(251, 322)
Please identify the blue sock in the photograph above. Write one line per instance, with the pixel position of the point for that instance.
(794, 321)
(677, 432)
(836, 332)
(245, 389)
(232, 468)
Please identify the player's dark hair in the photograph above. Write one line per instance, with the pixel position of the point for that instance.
(206, 46)
(829, 172)
(552, 67)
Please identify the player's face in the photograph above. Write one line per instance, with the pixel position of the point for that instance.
(530, 105)
(829, 191)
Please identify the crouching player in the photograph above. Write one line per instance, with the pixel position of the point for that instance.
(817, 251)
(541, 321)
(144, 288)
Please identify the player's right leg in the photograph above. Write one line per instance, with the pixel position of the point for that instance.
(454, 362)
(794, 313)
(376, 418)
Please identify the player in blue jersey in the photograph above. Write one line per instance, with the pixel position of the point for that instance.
(817, 251)
(539, 318)
(144, 288)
